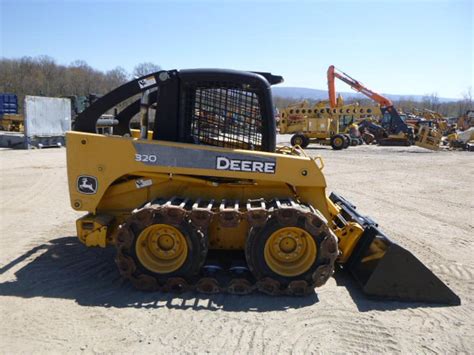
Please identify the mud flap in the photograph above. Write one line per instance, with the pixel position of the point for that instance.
(384, 269)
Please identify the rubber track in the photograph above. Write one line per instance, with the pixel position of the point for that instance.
(229, 213)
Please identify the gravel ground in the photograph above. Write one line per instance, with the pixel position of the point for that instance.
(58, 296)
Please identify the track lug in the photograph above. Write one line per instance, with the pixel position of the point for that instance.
(269, 286)
(173, 211)
(125, 265)
(201, 213)
(315, 222)
(286, 211)
(299, 288)
(329, 246)
(208, 285)
(229, 214)
(322, 274)
(257, 214)
(175, 285)
(240, 287)
(124, 237)
(145, 283)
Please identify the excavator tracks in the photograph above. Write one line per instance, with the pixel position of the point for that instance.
(195, 216)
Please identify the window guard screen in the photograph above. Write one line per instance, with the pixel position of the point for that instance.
(224, 115)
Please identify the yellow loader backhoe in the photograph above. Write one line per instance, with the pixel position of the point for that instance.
(207, 202)
(323, 125)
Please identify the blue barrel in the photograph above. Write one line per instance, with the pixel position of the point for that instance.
(8, 104)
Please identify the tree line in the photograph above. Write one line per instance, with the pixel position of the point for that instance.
(42, 76)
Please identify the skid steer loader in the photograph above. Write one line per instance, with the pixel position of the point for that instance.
(204, 200)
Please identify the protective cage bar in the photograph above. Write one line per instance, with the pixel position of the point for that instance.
(224, 115)
(222, 107)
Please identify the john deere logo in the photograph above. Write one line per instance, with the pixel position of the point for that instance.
(224, 163)
(87, 184)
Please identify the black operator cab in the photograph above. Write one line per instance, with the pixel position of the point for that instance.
(224, 108)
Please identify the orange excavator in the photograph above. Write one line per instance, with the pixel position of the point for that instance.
(396, 131)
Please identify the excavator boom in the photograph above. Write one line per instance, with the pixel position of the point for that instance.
(354, 84)
(397, 130)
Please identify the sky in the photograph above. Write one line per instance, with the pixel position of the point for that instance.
(399, 47)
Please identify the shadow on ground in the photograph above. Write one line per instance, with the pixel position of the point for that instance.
(64, 268)
(366, 303)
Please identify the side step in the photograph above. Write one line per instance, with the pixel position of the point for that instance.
(385, 269)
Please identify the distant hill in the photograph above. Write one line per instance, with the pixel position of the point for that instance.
(316, 94)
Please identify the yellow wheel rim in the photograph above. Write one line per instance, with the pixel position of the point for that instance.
(161, 248)
(298, 141)
(290, 251)
(338, 141)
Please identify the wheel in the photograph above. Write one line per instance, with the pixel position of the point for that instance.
(338, 142)
(354, 142)
(306, 142)
(368, 138)
(299, 139)
(347, 141)
(165, 250)
(285, 252)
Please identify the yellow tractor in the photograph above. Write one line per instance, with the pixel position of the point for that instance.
(207, 202)
(324, 125)
(309, 128)
(12, 122)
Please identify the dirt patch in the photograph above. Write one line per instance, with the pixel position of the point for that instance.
(56, 295)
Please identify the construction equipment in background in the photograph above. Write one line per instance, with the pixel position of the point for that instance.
(372, 131)
(429, 115)
(209, 203)
(353, 131)
(12, 122)
(425, 117)
(46, 119)
(428, 137)
(398, 132)
(79, 103)
(433, 116)
(321, 124)
(463, 138)
(308, 125)
(429, 128)
(466, 121)
(348, 114)
(10, 119)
